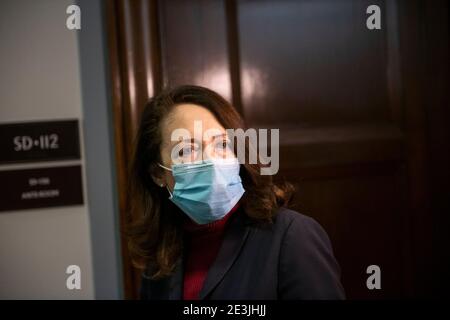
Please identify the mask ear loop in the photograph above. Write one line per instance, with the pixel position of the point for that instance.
(164, 167)
(168, 190)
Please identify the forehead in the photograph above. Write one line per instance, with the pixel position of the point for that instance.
(185, 116)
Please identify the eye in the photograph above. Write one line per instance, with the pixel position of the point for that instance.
(223, 145)
(188, 150)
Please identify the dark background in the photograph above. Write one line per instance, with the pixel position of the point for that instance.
(362, 115)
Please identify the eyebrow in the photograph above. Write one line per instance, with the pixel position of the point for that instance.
(192, 140)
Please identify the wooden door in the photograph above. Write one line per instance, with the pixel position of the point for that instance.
(348, 102)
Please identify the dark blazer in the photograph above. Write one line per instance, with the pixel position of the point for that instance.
(289, 259)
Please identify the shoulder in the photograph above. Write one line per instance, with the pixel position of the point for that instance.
(289, 225)
(297, 224)
(285, 217)
(293, 229)
(306, 247)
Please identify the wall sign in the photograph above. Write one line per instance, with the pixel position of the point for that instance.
(39, 141)
(41, 187)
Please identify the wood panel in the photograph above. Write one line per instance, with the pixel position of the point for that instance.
(134, 55)
(314, 60)
(436, 95)
(313, 70)
(194, 44)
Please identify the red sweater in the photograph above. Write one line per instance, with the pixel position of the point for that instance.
(202, 243)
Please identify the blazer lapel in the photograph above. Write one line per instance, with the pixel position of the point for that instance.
(233, 241)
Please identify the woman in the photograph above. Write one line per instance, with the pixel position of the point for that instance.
(210, 227)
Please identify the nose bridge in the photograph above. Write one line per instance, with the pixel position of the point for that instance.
(208, 150)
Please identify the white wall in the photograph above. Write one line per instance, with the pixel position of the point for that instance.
(40, 79)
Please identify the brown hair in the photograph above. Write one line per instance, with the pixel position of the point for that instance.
(155, 234)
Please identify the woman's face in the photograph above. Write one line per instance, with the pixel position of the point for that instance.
(202, 137)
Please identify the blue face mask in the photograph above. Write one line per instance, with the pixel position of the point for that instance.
(206, 191)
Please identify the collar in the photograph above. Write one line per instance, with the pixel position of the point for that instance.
(237, 232)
